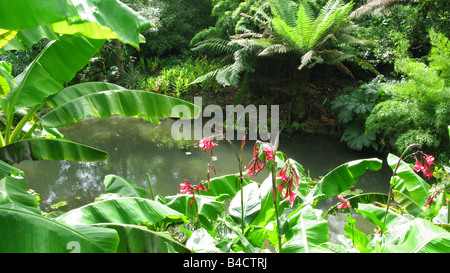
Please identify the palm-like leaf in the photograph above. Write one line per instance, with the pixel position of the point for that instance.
(126, 103)
(23, 231)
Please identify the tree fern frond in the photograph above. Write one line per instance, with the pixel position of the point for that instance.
(275, 49)
(303, 24)
(307, 58)
(331, 18)
(286, 10)
(206, 76)
(247, 35)
(246, 43)
(374, 4)
(229, 75)
(217, 45)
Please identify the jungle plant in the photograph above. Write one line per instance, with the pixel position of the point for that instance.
(40, 87)
(419, 108)
(125, 220)
(353, 109)
(297, 30)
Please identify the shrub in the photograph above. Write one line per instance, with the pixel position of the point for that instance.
(419, 110)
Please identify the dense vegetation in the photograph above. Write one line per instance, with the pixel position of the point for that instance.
(376, 74)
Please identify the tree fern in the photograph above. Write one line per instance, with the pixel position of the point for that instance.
(285, 10)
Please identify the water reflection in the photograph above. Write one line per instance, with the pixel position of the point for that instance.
(137, 147)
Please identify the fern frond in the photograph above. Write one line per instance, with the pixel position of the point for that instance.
(217, 45)
(205, 77)
(246, 43)
(286, 10)
(303, 24)
(229, 75)
(307, 58)
(247, 35)
(372, 5)
(275, 49)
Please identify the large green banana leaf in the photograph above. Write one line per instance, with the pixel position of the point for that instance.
(56, 64)
(138, 239)
(207, 206)
(22, 231)
(97, 19)
(343, 177)
(49, 149)
(126, 103)
(79, 90)
(115, 184)
(127, 210)
(13, 190)
(418, 236)
(409, 183)
(251, 205)
(307, 233)
(226, 185)
(406, 234)
(7, 169)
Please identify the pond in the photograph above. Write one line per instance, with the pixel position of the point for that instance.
(137, 147)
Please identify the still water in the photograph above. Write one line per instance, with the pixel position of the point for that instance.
(137, 147)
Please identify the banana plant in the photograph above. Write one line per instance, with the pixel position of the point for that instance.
(78, 31)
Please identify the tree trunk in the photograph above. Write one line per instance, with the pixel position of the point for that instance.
(119, 55)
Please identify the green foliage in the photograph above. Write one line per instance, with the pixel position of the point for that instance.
(419, 110)
(353, 110)
(176, 80)
(175, 24)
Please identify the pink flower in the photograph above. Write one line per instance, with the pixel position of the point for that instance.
(186, 187)
(425, 168)
(429, 159)
(287, 174)
(257, 164)
(268, 153)
(206, 143)
(418, 166)
(344, 202)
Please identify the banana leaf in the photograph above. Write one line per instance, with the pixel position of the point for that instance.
(307, 233)
(7, 169)
(343, 177)
(49, 149)
(408, 182)
(251, 205)
(57, 64)
(226, 186)
(207, 206)
(79, 90)
(138, 239)
(417, 236)
(126, 103)
(123, 187)
(23, 231)
(90, 18)
(267, 212)
(126, 210)
(13, 190)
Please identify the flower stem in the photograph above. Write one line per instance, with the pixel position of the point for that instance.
(239, 159)
(274, 191)
(394, 174)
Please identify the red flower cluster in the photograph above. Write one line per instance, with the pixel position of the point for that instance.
(206, 143)
(257, 164)
(186, 187)
(287, 175)
(424, 165)
(344, 202)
